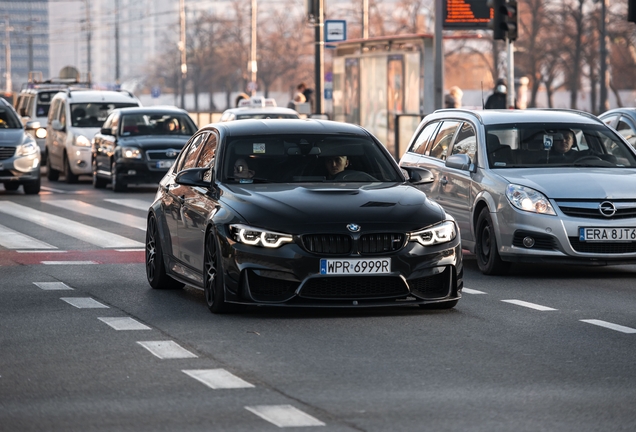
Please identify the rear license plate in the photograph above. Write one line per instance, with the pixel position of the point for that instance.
(164, 163)
(607, 235)
(355, 266)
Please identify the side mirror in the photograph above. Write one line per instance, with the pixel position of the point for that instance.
(56, 125)
(32, 125)
(459, 161)
(418, 176)
(23, 112)
(198, 177)
(106, 131)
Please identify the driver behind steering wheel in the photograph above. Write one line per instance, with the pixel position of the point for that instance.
(561, 150)
(335, 165)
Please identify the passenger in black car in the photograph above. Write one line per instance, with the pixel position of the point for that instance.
(242, 170)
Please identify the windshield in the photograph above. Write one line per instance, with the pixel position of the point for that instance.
(265, 116)
(94, 114)
(8, 120)
(307, 158)
(157, 124)
(555, 145)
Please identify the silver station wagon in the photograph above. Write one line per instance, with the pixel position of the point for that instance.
(539, 186)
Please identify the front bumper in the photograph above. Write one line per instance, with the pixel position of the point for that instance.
(556, 239)
(80, 160)
(290, 276)
(132, 171)
(20, 169)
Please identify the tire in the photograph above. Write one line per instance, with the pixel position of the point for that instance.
(51, 173)
(213, 277)
(155, 267)
(117, 185)
(11, 186)
(32, 188)
(98, 183)
(68, 174)
(440, 306)
(486, 248)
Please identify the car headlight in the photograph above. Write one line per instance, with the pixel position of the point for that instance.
(443, 232)
(528, 199)
(82, 141)
(40, 133)
(258, 237)
(131, 152)
(27, 149)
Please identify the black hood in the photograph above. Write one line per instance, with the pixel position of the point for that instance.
(155, 141)
(295, 209)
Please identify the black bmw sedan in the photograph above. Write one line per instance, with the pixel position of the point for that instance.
(300, 213)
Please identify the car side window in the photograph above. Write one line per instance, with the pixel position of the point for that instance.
(108, 123)
(190, 153)
(206, 158)
(466, 142)
(422, 140)
(439, 148)
(53, 111)
(626, 131)
(609, 119)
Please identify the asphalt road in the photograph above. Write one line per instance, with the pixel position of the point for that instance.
(87, 345)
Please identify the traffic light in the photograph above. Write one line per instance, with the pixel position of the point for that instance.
(497, 19)
(510, 19)
(631, 10)
(504, 22)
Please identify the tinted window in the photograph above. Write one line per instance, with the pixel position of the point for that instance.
(265, 116)
(157, 124)
(466, 141)
(190, 152)
(422, 140)
(443, 139)
(206, 158)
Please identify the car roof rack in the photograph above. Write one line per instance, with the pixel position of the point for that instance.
(35, 81)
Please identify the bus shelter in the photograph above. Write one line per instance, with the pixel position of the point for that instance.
(386, 85)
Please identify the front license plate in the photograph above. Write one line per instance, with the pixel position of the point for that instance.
(607, 235)
(164, 163)
(355, 266)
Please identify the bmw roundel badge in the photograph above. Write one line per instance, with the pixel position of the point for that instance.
(353, 227)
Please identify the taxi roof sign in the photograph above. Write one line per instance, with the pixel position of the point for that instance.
(257, 101)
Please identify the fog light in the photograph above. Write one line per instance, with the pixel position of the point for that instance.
(81, 164)
(132, 172)
(528, 242)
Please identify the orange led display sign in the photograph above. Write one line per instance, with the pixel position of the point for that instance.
(466, 14)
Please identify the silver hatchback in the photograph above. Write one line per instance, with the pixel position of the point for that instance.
(541, 186)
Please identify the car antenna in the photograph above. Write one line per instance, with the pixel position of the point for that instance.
(483, 105)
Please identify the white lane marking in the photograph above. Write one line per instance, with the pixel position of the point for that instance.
(67, 262)
(84, 302)
(124, 323)
(132, 203)
(52, 286)
(100, 213)
(69, 227)
(284, 415)
(52, 189)
(217, 378)
(529, 305)
(167, 349)
(610, 326)
(472, 291)
(16, 240)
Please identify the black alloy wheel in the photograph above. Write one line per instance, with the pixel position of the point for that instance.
(213, 277)
(51, 173)
(68, 174)
(488, 259)
(98, 183)
(155, 267)
(118, 186)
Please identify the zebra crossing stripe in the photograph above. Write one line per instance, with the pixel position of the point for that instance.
(100, 213)
(130, 202)
(69, 227)
(284, 415)
(11, 239)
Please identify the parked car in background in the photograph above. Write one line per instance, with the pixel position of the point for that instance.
(33, 103)
(74, 118)
(300, 213)
(518, 197)
(19, 153)
(258, 108)
(138, 145)
(624, 121)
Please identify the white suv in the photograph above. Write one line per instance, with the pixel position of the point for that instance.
(74, 118)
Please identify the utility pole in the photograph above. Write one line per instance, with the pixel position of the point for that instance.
(604, 102)
(117, 70)
(88, 38)
(7, 45)
(365, 19)
(511, 92)
(252, 67)
(182, 48)
(320, 55)
(438, 94)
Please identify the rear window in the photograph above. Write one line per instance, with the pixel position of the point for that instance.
(94, 114)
